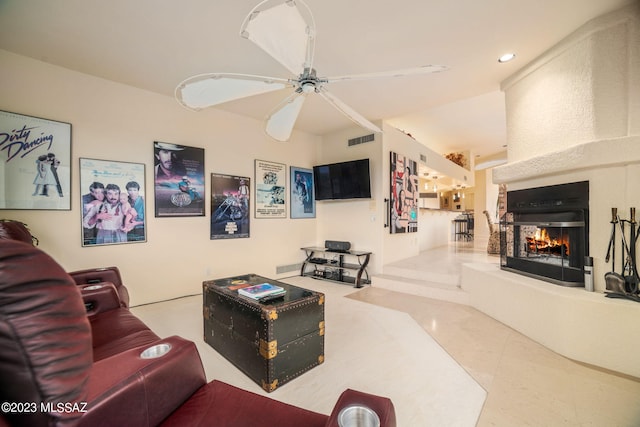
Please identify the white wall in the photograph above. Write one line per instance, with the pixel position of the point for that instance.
(481, 202)
(361, 222)
(585, 88)
(358, 221)
(111, 121)
(434, 228)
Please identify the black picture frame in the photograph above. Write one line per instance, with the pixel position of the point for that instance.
(179, 181)
(230, 206)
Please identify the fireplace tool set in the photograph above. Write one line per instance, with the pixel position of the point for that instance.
(626, 283)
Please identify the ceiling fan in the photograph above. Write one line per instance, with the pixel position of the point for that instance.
(285, 29)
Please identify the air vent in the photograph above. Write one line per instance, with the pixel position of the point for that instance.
(428, 195)
(361, 140)
(287, 268)
(423, 158)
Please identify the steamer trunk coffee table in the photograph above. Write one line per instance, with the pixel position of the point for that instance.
(271, 342)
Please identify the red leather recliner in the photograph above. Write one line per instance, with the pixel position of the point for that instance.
(16, 230)
(48, 376)
(93, 276)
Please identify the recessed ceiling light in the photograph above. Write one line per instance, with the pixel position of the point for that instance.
(506, 57)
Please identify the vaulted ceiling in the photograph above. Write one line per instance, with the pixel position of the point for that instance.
(155, 44)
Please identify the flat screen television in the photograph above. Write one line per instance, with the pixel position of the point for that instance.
(346, 180)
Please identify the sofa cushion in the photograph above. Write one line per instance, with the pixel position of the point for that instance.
(221, 404)
(115, 331)
(45, 338)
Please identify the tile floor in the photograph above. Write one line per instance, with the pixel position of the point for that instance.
(527, 384)
(367, 347)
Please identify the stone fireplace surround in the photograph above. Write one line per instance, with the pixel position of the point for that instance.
(574, 115)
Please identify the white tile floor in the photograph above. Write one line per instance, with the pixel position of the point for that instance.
(527, 384)
(367, 347)
(385, 343)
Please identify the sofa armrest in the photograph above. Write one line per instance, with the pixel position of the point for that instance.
(99, 297)
(92, 276)
(128, 389)
(382, 406)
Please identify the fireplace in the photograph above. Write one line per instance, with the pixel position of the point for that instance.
(545, 232)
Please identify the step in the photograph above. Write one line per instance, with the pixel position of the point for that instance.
(422, 288)
(451, 279)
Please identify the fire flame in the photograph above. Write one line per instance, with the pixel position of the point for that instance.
(542, 242)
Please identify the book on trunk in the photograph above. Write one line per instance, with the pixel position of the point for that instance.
(262, 290)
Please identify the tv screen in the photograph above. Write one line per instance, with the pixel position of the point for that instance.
(346, 180)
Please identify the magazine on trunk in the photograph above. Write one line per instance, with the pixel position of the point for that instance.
(262, 290)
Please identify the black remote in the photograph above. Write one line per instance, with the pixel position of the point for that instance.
(270, 298)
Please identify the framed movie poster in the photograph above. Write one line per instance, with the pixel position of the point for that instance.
(229, 206)
(303, 201)
(179, 180)
(113, 207)
(271, 189)
(36, 163)
(404, 195)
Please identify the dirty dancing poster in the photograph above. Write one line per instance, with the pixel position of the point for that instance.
(35, 157)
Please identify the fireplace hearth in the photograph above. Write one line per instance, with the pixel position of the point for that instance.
(544, 233)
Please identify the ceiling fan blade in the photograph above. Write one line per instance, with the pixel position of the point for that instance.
(206, 90)
(416, 71)
(280, 122)
(285, 29)
(348, 111)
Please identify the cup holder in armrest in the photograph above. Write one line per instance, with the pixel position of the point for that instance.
(157, 350)
(92, 287)
(356, 416)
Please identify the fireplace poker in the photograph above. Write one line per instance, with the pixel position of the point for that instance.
(612, 240)
(632, 236)
(614, 282)
(632, 250)
(632, 280)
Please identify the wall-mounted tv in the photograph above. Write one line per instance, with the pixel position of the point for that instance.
(346, 180)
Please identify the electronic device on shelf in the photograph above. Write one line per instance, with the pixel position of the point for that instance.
(337, 246)
(318, 260)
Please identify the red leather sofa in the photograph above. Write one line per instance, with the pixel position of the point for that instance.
(62, 366)
(92, 277)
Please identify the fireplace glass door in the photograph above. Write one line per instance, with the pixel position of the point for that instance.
(546, 245)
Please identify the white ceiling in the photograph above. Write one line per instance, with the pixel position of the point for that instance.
(155, 44)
